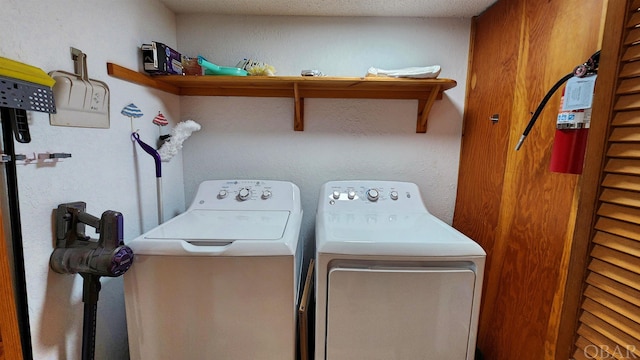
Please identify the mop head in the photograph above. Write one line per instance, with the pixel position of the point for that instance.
(179, 134)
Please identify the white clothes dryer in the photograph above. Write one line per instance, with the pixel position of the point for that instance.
(392, 281)
(219, 281)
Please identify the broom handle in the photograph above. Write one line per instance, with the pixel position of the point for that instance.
(160, 207)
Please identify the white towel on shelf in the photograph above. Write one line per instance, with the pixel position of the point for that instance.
(426, 72)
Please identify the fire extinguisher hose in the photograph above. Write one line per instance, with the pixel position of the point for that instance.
(588, 68)
(543, 103)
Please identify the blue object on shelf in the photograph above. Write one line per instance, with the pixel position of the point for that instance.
(213, 69)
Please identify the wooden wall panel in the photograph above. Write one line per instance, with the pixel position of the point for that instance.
(491, 90)
(10, 345)
(484, 147)
(508, 201)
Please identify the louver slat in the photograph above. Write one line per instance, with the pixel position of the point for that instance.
(628, 150)
(624, 182)
(615, 288)
(627, 118)
(617, 258)
(604, 313)
(630, 70)
(632, 37)
(628, 102)
(634, 5)
(634, 20)
(601, 342)
(625, 134)
(611, 332)
(621, 213)
(586, 350)
(621, 197)
(623, 166)
(631, 86)
(618, 243)
(612, 272)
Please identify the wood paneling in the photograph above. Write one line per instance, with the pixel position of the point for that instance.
(484, 144)
(508, 201)
(10, 343)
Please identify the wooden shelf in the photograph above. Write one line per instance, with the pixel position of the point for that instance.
(426, 91)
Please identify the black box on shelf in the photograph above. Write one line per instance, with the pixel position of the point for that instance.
(158, 58)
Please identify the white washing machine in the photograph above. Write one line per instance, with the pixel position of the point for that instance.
(219, 281)
(392, 281)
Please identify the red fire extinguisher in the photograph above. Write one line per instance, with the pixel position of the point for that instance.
(572, 125)
(570, 141)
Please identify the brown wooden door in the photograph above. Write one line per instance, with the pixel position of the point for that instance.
(508, 201)
(10, 346)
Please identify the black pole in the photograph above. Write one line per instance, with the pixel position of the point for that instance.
(6, 115)
(90, 290)
(89, 331)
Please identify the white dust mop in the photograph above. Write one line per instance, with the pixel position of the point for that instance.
(179, 134)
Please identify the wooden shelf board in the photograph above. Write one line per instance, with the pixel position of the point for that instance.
(426, 91)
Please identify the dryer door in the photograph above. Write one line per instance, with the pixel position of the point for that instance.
(397, 313)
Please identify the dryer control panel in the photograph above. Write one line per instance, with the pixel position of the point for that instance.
(385, 195)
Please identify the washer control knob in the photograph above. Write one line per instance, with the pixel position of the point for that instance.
(336, 195)
(351, 194)
(393, 195)
(266, 194)
(222, 194)
(244, 194)
(373, 194)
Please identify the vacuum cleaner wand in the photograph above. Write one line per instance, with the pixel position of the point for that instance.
(76, 252)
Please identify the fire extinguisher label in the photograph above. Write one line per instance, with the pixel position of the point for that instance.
(578, 93)
(577, 119)
(576, 102)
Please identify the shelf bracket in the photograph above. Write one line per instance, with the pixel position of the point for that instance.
(424, 107)
(298, 121)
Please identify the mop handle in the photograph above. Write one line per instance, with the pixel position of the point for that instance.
(151, 151)
(156, 156)
(160, 205)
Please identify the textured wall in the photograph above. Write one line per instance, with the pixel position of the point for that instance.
(343, 139)
(106, 170)
(241, 137)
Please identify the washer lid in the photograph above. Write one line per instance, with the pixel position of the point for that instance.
(223, 233)
(402, 234)
(216, 226)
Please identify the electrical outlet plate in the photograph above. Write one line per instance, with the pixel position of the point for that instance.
(79, 102)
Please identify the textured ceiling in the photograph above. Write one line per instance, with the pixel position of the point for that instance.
(412, 8)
